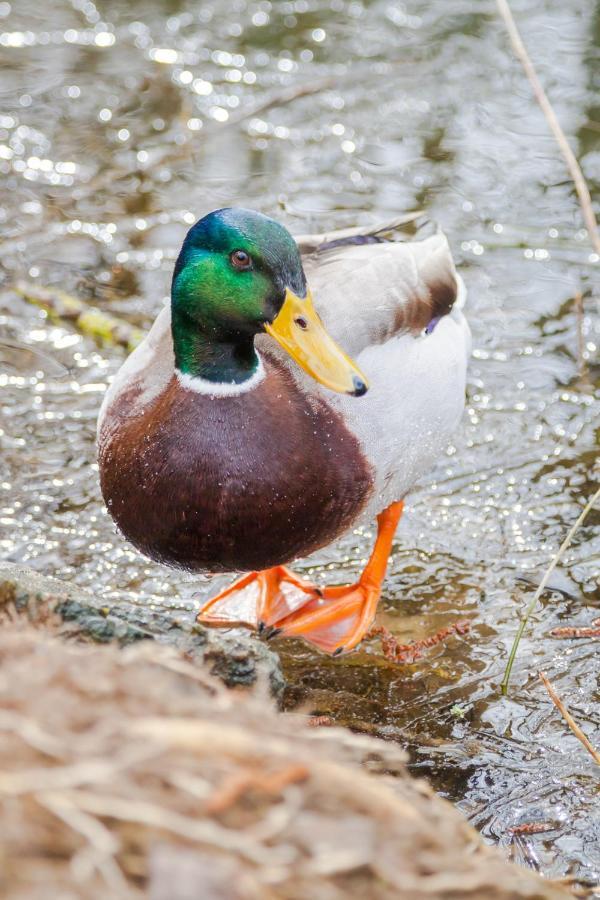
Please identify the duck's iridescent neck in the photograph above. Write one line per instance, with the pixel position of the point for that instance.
(201, 355)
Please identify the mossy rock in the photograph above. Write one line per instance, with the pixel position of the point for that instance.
(236, 656)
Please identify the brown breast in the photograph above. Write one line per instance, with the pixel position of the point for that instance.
(234, 483)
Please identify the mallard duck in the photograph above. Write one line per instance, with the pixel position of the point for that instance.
(255, 424)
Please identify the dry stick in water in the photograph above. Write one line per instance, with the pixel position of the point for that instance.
(61, 307)
(542, 585)
(569, 718)
(581, 187)
(581, 364)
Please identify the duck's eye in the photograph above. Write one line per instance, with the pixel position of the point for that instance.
(240, 259)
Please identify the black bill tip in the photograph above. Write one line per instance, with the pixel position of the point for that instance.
(360, 387)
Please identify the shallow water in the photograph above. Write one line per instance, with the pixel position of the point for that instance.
(117, 133)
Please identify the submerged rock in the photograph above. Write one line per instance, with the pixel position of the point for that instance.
(236, 656)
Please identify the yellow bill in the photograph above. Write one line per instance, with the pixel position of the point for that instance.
(299, 330)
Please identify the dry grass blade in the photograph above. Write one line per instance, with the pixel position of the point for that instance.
(569, 718)
(102, 845)
(31, 733)
(581, 187)
(94, 770)
(155, 816)
(542, 586)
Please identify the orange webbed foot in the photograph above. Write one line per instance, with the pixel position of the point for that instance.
(276, 601)
(259, 600)
(337, 622)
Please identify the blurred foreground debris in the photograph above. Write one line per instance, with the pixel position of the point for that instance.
(129, 773)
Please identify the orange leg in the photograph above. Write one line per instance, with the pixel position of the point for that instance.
(337, 622)
(334, 619)
(259, 600)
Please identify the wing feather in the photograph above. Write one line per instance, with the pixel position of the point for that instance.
(367, 294)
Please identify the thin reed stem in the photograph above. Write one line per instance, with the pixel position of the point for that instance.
(542, 586)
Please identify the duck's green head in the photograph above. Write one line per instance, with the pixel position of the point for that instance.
(239, 273)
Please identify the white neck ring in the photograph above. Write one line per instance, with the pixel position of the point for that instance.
(221, 388)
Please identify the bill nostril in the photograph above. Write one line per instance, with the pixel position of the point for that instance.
(360, 388)
(301, 322)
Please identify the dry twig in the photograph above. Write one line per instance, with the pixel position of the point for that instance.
(575, 631)
(569, 718)
(581, 187)
(319, 721)
(532, 828)
(409, 653)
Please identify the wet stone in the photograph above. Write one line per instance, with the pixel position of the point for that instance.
(236, 657)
